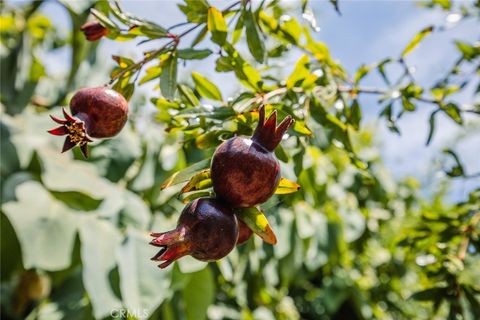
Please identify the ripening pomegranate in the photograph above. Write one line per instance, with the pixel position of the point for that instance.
(207, 230)
(245, 171)
(96, 113)
(244, 232)
(93, 30)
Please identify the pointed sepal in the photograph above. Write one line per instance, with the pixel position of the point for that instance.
(267, 133)
(75, 131)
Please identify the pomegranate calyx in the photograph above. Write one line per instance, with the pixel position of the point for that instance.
(173, 246)
(267, 133)
(75, 131)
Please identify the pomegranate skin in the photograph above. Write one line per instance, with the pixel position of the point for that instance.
(244, 233)
(245, 171)
(244, 174)
(104, 111)
(207, 230)
(93, 30)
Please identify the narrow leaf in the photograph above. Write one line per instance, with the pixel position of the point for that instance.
(300, 72)
(168, 78)
(361, 73)
(286, 186)
(199, 181)
(187, 93)
(194, 54)
(255, 43)
(151, 74)
(452, 111)
(431, 130)
(237, 32)
(185, 174)
(416, 40)
(206, 88)
(457, 170)
(188, 197)
(258, 223)
(217, 26)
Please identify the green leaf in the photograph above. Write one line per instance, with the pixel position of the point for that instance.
(300, 127)
(355, 115)
(185, 174)
(194, 54)
(453, 111)
(254, 41)
(195, 10)
(381, 69)
(237, 32)
(335, 6)
(391, 124)
(150, 74)
(99, 240)
(142, 285)
(431, 130)
(407, 104)
(300, 72)
(168, 78)
(217, 26)
(45, 227)
(199, 294)
(200, 36)
(469, 51)
(199, 181)
(189, 197)
(286, 186)
(416, 40)
(206, 88)
(361, 73)
(430, 294)
(135, 213)
(258, 223)
(58, 173)
(457, 170)
(187, 93)
(123, 62)
(104, 20)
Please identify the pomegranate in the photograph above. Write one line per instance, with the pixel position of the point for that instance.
(244, 232)
(96, 113)
(245, 171)
(207, 230)
(93, 30)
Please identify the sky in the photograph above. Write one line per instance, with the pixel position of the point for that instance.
(365, 32)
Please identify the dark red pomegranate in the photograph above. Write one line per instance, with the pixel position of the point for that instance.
(244, 232)
(96, 113)
(245, 171)
(93, 30)
(207, 230)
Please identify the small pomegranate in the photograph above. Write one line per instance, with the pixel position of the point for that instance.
(245, 171)
(93, 30)
(244, 232)
(96, 113)
(207, 230)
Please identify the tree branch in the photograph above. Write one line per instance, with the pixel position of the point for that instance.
(152, 55)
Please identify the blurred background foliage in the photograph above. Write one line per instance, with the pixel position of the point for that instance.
(353, 243)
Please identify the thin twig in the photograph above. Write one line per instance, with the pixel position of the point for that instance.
(369, 90)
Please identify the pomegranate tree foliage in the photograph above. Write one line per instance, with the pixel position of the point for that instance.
(352, 242)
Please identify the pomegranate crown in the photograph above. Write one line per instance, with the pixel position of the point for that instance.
(267, 133)
(75, 131)
(172, 246)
